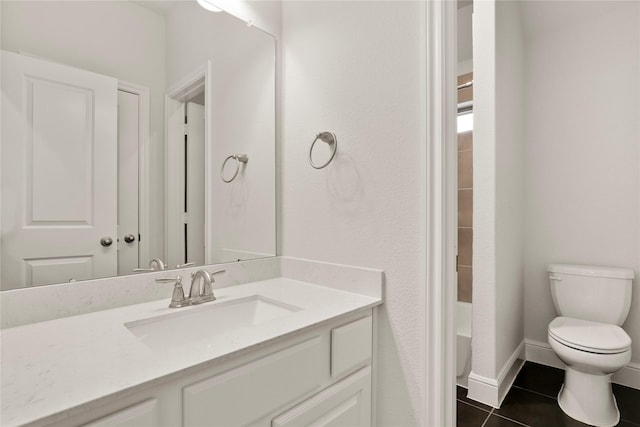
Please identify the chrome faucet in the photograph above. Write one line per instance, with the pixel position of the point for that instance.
(201, 289)
(177, 298)
(202, 286)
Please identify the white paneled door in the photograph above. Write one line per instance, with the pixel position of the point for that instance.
(128, 185)
(59, 173)
(194, 175)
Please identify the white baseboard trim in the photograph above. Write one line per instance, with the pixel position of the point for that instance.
(492, 391)
(541, 352)
(483, 389)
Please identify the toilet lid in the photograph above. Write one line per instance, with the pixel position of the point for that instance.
(594, 337)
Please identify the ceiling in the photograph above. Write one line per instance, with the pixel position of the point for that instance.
(158, 6)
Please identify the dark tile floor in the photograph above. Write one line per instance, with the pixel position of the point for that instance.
(532, 402)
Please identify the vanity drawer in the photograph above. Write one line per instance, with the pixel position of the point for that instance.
(249, 392)
(351, 346)
(345, 403)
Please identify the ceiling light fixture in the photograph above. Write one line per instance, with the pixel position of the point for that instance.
(207, 4)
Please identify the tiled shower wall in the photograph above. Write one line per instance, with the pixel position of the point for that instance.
(465, 200)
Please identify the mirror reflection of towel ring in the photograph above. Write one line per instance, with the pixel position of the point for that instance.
(239, 158)
(329, 138)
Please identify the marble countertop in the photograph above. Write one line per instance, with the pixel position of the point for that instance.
(53, 367)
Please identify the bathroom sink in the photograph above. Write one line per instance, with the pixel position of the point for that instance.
(208, 320)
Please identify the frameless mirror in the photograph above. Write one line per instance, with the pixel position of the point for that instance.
(136, 136)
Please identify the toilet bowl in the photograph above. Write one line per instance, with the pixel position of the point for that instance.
(592, 351)
(592, 303)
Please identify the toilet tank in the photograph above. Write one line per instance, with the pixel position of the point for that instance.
(600, 294)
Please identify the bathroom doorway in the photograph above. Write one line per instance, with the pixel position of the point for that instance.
(187, 116)
(464, 228)
(463, 305)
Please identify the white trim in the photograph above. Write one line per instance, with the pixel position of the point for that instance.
(441, 205)
(541, 352)
(143, 167)
(172, 159)
(628, 376)
(190, 85)
(484, 389)
(374, 368)
(509, 372)
(492, 391)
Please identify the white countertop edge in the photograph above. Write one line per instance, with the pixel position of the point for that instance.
(311, 297)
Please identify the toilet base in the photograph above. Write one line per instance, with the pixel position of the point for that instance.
(589, 398)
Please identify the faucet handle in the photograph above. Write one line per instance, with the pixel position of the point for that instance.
(155, 264)
(222, 270)
(176, 280)
(177, 298)
(208, 287)
(188, 264)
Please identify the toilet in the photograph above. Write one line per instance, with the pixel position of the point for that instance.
(592, 303)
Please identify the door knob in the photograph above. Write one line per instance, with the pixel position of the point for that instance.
(106, 241)
(129, 238)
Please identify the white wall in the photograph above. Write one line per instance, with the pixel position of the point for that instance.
(118, 39)
(243, 120)
(583, 154)
(465, 40)
(498, 200)
(510, 165)
(356, 69)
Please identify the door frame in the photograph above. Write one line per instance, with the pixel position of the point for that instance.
(176, 96)
(143, 168)
(440, 179)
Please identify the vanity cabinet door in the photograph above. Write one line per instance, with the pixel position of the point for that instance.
(249, 392)
(346, 403)
(144, 414)
(351, 346)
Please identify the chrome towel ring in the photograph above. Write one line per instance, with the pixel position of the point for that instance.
(239, 158)
(329, 138)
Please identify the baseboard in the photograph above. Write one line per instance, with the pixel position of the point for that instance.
(540, 352)
(483, 389)
(492, 391)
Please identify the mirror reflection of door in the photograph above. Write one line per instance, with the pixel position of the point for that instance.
(194, 182)
(74, 132)
(128, 160)
(186, 165)
(59, 144)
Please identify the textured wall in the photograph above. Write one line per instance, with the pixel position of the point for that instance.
(509, 175)
(498, 199)
(356, 69)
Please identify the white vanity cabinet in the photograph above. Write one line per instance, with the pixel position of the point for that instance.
(249, 392)
(346, 403)
(320, 376)
(142, 414)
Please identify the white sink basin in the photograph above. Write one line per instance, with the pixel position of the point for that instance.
(208, 320)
